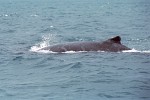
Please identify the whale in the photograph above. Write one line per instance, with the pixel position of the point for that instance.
(110, 45)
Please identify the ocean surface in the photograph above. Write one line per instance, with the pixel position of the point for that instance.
(29, 25)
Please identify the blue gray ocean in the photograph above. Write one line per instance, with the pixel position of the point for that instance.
(28, 25)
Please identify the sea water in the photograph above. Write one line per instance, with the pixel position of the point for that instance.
(29, 74)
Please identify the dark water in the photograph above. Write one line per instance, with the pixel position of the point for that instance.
(28, 25)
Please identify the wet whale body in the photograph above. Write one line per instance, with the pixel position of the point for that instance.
(110, 45)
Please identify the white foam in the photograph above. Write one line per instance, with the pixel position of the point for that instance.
(132, 50)
(34, 15)
(6, 15)
(146, 51)
(136, 51)
(51, 26)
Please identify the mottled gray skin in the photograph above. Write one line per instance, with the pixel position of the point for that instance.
(110, 45)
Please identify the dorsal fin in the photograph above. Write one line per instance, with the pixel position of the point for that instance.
(116, 39)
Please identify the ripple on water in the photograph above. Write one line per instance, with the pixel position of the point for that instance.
(106, 81)
(2, 92)
(108, 96)
(76, 65)
(18, 58)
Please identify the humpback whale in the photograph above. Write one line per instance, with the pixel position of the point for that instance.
(110, 45)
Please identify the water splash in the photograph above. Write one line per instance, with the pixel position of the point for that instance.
(47, 40)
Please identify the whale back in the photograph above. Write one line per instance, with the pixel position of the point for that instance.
(111, 45)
